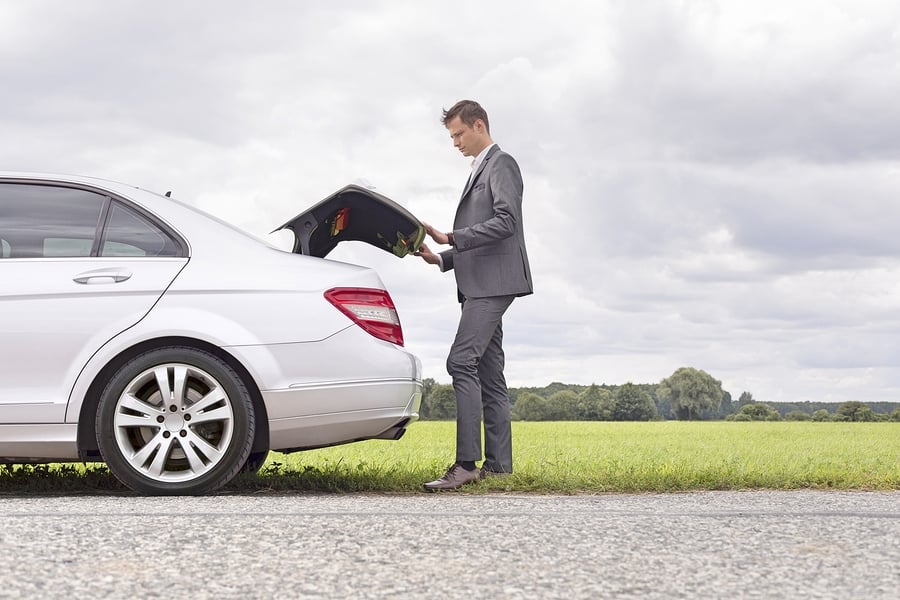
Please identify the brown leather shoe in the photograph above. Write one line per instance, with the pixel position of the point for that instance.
(455, 477)
(488, 474)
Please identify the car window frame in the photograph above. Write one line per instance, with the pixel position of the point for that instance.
(147, 216)
(102, 220)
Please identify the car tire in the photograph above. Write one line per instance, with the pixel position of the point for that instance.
(175, 421)
(255, 462)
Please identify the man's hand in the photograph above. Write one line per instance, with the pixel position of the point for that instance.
(427, 255)
(437, 236)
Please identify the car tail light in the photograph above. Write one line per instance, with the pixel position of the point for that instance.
(371, 309)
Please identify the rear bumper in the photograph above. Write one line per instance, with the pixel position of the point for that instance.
(310, 416)
(347, 387)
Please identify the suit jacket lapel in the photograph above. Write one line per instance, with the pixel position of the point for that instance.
(478, 171)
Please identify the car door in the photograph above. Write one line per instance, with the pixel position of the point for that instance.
(77, 267)
(355, 213)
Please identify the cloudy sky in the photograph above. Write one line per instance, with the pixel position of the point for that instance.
(707, 184)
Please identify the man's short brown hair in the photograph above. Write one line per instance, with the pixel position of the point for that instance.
(468, 112)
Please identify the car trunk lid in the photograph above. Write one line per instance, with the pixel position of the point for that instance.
(355, 213)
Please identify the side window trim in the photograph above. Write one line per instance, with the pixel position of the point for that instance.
(101, 226)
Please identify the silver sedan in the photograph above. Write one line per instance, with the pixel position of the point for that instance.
(142, 332)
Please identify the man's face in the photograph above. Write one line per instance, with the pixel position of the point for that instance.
(468, 140)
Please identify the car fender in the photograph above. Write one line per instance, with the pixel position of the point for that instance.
(182, 322)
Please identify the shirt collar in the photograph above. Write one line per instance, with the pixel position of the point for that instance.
(480, 158)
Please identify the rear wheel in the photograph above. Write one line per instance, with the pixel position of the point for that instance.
(175, 421)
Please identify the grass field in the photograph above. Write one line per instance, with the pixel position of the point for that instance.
(569, 458)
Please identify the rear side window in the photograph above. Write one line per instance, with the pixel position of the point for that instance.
(38, 221)
(129, 233)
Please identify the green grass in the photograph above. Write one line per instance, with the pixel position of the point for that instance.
(569, 458)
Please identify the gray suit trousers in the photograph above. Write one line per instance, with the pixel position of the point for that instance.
(476, 365)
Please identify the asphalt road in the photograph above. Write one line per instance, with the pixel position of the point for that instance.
(709, 545)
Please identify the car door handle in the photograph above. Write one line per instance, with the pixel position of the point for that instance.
(98, 276)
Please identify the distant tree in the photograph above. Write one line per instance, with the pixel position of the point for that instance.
(745, 398)
(821, 415)
(562, 406)
(663, 405)
(690, 392)
(758, 411)
(530, 407)
(854, 411)
(797, 415)
(440, 403)
(554, 387)
(727, 406)
(630, 403)
(895, 415)
(595, 404)
(427, 384)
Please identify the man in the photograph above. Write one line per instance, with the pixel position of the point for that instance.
(487, 255)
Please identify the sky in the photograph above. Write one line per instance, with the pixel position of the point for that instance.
(708, 184)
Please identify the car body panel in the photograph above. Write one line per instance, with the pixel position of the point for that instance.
(36, 443)
(52, 325)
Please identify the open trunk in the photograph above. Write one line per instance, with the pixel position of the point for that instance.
(355, 213)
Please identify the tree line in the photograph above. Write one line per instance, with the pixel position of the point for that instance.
(687, 394)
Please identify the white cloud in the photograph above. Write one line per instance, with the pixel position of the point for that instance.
(708, 184)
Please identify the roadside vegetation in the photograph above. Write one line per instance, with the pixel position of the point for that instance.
(686, 395)
(564, 458)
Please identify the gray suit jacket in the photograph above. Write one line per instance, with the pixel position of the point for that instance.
(489, 258)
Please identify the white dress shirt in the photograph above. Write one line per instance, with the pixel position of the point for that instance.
(480, 158)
